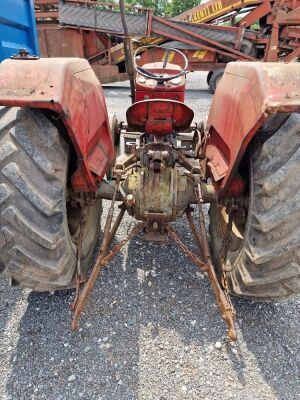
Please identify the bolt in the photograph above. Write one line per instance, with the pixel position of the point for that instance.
(130, 199)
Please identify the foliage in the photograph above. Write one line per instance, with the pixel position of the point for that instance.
(176, 7)
(159, 6)
(166, 7)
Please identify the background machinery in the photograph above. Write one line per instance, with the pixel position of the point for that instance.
(211, 34)
(58, 161)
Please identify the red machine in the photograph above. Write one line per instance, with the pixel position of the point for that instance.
(56, 146)
(210, 34)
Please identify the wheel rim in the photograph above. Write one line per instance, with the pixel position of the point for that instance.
(74, 218)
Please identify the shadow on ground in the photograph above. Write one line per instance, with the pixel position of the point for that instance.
(144, 320)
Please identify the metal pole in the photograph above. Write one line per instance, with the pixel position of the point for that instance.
(128, 50)
(222, 297)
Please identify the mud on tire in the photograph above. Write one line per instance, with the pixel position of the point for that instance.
(37, 248)
(263, 260)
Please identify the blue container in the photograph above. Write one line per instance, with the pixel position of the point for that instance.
(17, 28)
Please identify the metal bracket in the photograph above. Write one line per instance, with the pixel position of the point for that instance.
(24, 55)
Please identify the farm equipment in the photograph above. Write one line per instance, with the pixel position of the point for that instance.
(90, 29)
(58, 161)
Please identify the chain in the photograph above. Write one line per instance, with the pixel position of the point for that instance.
(225, 247)
(204, 136)
(185, 249)
(115, 250)
(101, 262)
(79, 276)
(223, 254)
(221, 294)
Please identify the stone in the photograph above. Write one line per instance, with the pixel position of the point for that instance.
(71, 378)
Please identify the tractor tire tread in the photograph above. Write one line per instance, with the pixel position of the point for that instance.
(267, 265)
(36, 248)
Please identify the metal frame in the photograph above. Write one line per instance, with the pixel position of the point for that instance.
(282, 45)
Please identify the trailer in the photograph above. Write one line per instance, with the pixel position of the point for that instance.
(17, 28)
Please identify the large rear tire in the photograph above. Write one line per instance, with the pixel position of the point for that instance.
(263, 261)
(38, 228)
(215, 78)
(208, 77)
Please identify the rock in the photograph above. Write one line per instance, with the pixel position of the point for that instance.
(71, 378)
(218, 345)
(184, 388)
(105, 339)
(114, 302)
(193, 322)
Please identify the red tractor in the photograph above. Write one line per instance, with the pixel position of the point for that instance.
(58, 161)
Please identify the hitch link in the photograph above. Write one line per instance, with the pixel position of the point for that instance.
(104, 257)
(222, 297)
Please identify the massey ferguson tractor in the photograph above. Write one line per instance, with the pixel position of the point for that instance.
(58, 161)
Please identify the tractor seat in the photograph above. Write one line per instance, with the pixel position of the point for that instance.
(159, 117)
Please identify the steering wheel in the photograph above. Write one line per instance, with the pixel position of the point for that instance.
(159, 77)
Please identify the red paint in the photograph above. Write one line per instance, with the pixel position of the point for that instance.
(69, 87)
(151, 89)
(159, 108)
(159, 117)
(246, 96)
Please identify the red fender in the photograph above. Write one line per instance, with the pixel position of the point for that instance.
(246, 96)
(69, 87)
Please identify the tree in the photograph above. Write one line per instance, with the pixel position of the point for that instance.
(165, 7)
(176, 7)
(159, 6)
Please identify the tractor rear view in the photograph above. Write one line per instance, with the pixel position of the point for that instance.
(58, 161)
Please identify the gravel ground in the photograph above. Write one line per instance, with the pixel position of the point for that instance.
(151, 329)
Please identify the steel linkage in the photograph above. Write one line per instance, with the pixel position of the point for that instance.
(222, 296)
(221, 293)
(79, 276)
(103, 258)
